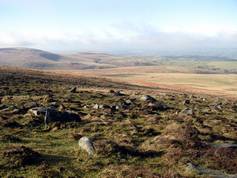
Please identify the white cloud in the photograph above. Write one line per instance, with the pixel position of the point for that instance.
(118, 38)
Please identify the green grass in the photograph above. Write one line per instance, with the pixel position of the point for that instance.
(125, 145)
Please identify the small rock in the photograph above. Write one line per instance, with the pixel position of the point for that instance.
(218, 107)
(54, 129)
(114, 108)
(158, 106)
(96, 106)
(86, 144)
(128, 102)
(187, 111)
(119, 93)
(111, 91)
(147, 98)
(38, 111)
(53, 104)
(73, 90)
(186, 102)
(190, 169)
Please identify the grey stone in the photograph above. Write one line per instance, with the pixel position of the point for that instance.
(119, 93)
(147, 98)
(52, 115)
(187, 111)
(100, 106)
(158, 106)
(86, 144)
(73, 90)
(38, 111)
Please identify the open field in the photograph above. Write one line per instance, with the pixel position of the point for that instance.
(133, 134)
(214, 84)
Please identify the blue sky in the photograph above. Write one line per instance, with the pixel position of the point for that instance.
(114, 25)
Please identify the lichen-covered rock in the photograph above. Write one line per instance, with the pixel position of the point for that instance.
(86, 144)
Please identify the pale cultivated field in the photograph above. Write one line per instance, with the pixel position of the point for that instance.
(214, 84)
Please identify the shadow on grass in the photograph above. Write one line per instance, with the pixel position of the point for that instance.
(55, 159)
(123, 150)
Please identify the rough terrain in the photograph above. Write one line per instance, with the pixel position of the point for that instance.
(130, 131)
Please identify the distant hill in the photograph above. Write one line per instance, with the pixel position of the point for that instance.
(24, 56)
(39, 59)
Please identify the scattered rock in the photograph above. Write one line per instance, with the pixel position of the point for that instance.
(218, 107)
(187, 111)
(53, 104)
(186, 102)
(96, 106)
(73, 90)
(111, 91)
(191, 170)
(54, 129)
(99, 106)
(235, 107)
(114, 108)
(148, 98)
(2, 106)
(76, 136)
(158, 106)
(86, 144)
(128, 102)
(119, 93)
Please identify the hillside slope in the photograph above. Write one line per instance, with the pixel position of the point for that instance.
(131, 134)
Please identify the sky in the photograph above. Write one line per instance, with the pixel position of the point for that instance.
(118, 25)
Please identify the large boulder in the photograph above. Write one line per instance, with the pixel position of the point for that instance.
(52, 115)
(86, 144)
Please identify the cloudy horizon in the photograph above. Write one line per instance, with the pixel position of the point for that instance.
(116, 26)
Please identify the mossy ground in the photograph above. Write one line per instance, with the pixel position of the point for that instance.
(132, 141)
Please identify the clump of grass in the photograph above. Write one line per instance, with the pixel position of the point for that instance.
(223, 158)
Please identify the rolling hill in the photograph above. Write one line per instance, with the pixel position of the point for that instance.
(39, 59)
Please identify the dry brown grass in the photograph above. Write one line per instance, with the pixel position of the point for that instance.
(213, 84)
